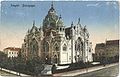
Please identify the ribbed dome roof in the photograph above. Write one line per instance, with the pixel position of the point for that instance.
(34, 28)
(51, 14)
(52, 20)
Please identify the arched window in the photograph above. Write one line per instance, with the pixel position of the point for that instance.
(46, 47)
(74, 27)
(55, 59)
(76, 45)
(89, 50)
(60, 29)
(34, 46)
(56, 47)
(63, 29)
(64, 47)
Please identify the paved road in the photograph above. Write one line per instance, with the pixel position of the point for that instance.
(3, 73)
(93, 71)
(106, 72)
(6, 72)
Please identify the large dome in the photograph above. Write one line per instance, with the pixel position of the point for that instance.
(52, 20)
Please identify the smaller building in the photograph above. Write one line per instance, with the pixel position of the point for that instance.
(11, 51)
(99, 51)
(108, 51)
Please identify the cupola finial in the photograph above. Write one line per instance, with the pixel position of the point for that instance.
(60, 16)
(72, 24)
(52, 4)
(79, 20)
(33, 22)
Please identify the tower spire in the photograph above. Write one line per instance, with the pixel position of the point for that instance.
(72, 24)
(52, 4)
(33, 22)
(51, 10)
(60, 16)
(79, 20)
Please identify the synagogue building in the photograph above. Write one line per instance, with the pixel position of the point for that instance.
(56, 43)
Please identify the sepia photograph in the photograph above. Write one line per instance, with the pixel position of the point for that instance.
(59, 38)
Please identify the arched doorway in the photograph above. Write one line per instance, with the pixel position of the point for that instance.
(46, 56)
(55, 59)
(46, 47)
(34, 48)
(78, 49)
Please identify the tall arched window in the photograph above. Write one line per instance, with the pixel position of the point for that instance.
(79, 44)
(46, 47)
(64, 47)
(56, 47)
(76, 46)
(34, 47)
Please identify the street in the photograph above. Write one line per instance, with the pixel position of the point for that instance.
(6, 72)
(3, 73)
(110, 70)
(106, 72)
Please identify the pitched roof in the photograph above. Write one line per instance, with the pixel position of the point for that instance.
(112, 42)
(13, 49)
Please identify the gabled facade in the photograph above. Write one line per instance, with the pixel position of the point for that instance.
(56, 44)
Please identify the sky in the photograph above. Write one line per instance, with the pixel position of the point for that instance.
(100, 17)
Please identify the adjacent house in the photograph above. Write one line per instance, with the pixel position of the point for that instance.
(11, 51)
(108, 50)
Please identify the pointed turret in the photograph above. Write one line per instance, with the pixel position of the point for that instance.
(52, 4)
(72, 24)
(52, 10)
(33, 22)
(78, 20)
(60, 22)
(28, 31)
(84, 28)
(72, 29)
(34, 28)
(60, 17)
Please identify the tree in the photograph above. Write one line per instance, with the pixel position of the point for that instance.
(34, 66)
(3, 58)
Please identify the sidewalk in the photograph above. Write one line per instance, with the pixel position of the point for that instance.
(13, 72)
(85, 70)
